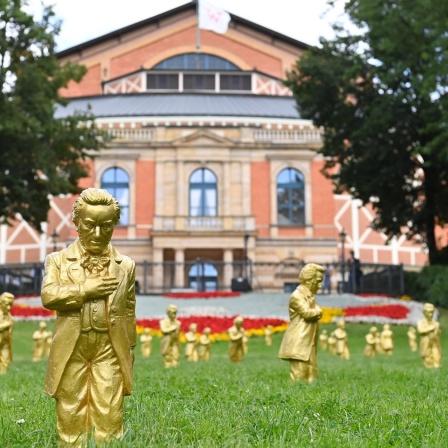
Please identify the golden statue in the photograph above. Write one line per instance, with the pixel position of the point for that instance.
(245, 342)
(323, 339)
(340, 334)
(204, 345)
(370, 348)
(412, 338)
(332, 343)
(236, 345)
(169, 344)
(6, 326)
(387, 340)
(146, 343)
(40, 342)
(48, 343)
(92, 288)
(268, 335)
(429, 331)
(191, 348)
(299, 344)
(378, 346)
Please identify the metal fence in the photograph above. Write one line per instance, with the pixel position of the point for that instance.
(212, 275)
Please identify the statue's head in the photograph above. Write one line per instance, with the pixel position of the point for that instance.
(207, 330)
(193, 328)
(341, 323)
(171, 311)
(373, 330)
(95, 213)
(42, 325)
(428, 310)
(6, 300)
(386, 327)
(311, 276)
(238, 322)
(147, 330)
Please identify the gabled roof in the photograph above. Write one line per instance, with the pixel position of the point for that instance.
(236, 21)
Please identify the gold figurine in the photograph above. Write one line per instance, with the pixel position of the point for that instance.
(236, 346)
(332, 343)
(92, 288)
(299, 345)
(191, 349)
(268, 335)
(370, 348)
(48, 343)
(323, 339)
(387, 340)
(169, 344)
(429, 331)
(40, 342)
(340, 334)
(146, 343)
(412, 338)
(6, 326)
(204, 345)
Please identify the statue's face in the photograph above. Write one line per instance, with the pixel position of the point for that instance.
(428, 313)
(172, 314)
(95, 227)
(6, 305)
(316, 282)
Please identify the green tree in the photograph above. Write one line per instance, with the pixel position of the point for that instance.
(381, 95)
(39, 155)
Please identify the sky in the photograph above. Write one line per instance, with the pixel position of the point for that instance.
(82, 20)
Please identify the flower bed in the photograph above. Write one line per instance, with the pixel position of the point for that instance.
(201, 295)
(23, 312)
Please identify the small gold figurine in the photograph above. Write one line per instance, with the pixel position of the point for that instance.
(323, 339)
(340, 334)
(6, 326)
(268, 335)
(412, 338)
(236, 345)
(429, 331)
(48, 343)
(245, 342)
(204, 345)
(378, 346)
(169, 344)
(332, 343)
(191, 348)
(370, 348)
(40, 342)
(92, 288)
(387, 340)
(299, 344)
(146, 343)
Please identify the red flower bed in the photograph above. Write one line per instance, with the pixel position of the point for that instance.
(201, 295)
(391, 311)
(216, 324)
(368, 294)
(30, 311)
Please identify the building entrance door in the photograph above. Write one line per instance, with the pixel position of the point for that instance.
(203, 276)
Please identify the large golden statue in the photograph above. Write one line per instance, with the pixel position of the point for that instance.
(92, 288)
(370, 348)
(340, 334)
(429, 331)
(6, 325)
(323, 339)
(40, 342)
(299, 345)
(268, 335)
(387, 340)
(169, 344)
(412, 338)
(191, 348)
(146, 343)
(236, 334)
(204, 345)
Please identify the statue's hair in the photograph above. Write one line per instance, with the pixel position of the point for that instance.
(95, 196)
(6, 296)
(309, 271)
(171, 308)
(428, 307)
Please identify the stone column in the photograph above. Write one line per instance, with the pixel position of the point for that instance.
(228, 268)
(157, 276)
(179, 278)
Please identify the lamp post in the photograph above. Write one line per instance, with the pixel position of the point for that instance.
(342, 237)
(54, 239)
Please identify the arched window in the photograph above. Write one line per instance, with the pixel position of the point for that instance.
(116, 181)
(195, 61)
(203, 193)
(203, 277)
(290, 198)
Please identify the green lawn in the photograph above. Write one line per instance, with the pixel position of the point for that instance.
(387, 401)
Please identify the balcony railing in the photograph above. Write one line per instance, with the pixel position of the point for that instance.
(201, 223)
(303, 136)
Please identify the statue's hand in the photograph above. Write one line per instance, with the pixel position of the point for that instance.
(99, 287)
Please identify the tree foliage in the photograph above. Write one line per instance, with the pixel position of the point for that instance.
(39, 155)
(381, 95)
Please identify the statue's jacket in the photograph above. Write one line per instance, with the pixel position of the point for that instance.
(62, 292)
(302, 334)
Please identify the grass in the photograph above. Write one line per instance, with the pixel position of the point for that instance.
(387, 401)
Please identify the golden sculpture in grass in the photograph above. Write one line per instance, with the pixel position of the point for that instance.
(387, 340)
(299, 344)
(323, 340)
(169, 344)
(40, 338)
(91, 286)
(204, 349)
(370, 348)
(191, 348)
(429, 331)
(6, 326)
(332, 343)
(340, 334)
(146, 343)
(236, 334)
(412, 339)
(48, 343)
(268, 335)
